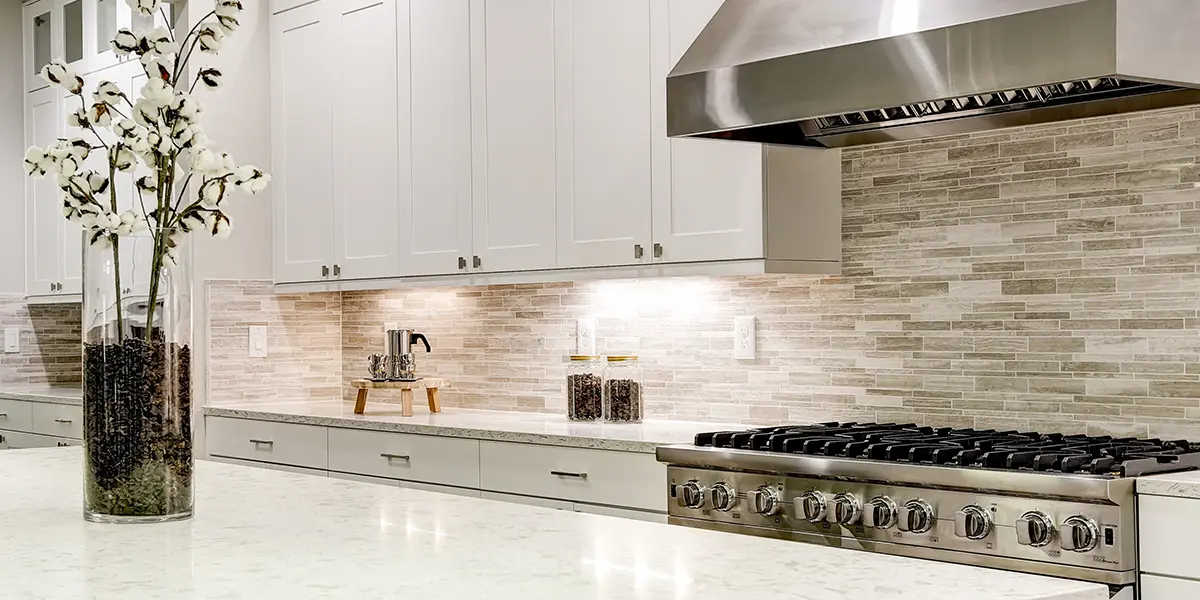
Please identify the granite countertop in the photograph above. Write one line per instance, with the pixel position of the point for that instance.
(531, 428)
(267, 534)
(1185, 484)
(42, 393)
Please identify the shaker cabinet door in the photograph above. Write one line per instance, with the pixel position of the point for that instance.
(43, 206)
(39, 28)
(435, 215)
(603, 85)
(367, 182)
(513, 120)
(70, 240)
(708, 198)
(302, 54)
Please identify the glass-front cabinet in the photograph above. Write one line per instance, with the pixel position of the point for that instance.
(105, 18)
(40, 29)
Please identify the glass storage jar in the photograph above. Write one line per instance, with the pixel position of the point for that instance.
(584, 384)
(623, 390)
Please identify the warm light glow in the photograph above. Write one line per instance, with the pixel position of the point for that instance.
(905, 16)
(670, 297)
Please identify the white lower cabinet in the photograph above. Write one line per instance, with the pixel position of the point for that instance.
(269, 442)
(623, 513)
(16, 415)
(1166, 527)
(62, 420)
(425, 458)
(26, 424)
(15, 440)
(283, 468)
(529, 500)
(1166, 588)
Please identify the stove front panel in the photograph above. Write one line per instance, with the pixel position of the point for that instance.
(953, 518)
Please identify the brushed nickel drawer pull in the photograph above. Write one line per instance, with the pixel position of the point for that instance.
(3, 415)
(63, 421)
(262, 442)
(403, 457)
(569, 474)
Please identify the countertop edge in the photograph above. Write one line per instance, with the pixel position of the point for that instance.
(1175, 485)
(44, 398)
(494, 435)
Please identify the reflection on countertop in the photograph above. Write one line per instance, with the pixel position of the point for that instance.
(267, 534)
(534, 428)
(51, 394)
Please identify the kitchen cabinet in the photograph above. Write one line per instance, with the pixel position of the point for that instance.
(270, 442)
(1166, 588)
(25, 424)
(39, 30)
(429, 459)
(603, 83)
(73, 34)
(54, 246)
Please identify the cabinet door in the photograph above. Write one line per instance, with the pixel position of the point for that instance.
(367, 183)
(302, 43)
(70, 254)
(435, 215)
(708, 195)
(43, 223)
(72, 36)
(512, 70)
(38, 31)
(603, 101)
(103, 18)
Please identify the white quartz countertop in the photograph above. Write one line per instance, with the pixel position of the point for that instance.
(265, 534)
(42, 393)
(1182, 485)
(533, 428)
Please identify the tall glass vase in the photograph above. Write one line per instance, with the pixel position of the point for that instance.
(137, 382)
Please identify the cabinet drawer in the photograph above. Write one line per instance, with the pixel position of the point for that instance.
(1166, 528)
(62, 420)
(266, 441)
(422, 458)
(1164, 588)
(16, 415)
(595, 476)
(528, 501)
(15, 440)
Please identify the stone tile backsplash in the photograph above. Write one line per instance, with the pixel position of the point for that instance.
(1042, 277)
(50, 347)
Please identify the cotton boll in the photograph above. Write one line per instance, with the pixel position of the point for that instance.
(79, 148)
(97, 183)
(108, 92)
(212, 193)
(209, 36)
(145, 113)
(58, 73)
(157, 93)
(146, 8)
(160, 41)
(124, 42)
(78, 119)
(158, 66)
(99, 115)
(67, 166)
(146, 184)
(124, 159)
(35, 162)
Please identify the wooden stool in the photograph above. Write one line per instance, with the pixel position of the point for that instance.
(430, 385)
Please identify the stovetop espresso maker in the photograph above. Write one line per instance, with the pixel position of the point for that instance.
(398, 345)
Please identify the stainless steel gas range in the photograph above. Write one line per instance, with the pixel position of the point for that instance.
(1053, 504)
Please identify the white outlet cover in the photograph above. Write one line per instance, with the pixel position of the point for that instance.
(258, 341)
(12, 340)
(585, 336)
(744, 347)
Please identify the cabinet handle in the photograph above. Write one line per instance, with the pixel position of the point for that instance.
(462, 263)
(337, 270)
(324, 271)
(63, 421)
(261, 442)
(475, 260)
(637, 251)
(658, 250)
(569, 474)
(3, 415)
(63, 444)
(403, 457)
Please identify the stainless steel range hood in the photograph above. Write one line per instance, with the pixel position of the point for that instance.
(837, 73)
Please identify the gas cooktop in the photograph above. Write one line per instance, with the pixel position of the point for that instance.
(976, 448)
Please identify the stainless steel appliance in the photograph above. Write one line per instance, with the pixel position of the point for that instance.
(1053, 504)
(833, 73)
(401, 363)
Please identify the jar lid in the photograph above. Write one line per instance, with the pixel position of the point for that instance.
(585, 357)
(621, 358)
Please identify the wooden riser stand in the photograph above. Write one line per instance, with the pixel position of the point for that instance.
(430, 385)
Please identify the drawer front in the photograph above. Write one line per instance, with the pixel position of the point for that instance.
(528, 501)
(267, 441)
(271, 467)
(62, 420)
(595, 476)
(16, 415)
(1166, 528)
(1164, 588)
(421, 458)
(16, 440)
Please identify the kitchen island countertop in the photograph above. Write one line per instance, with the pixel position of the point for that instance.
(266, 534)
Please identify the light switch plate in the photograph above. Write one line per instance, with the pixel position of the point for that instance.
(743, 338)
(585, 336)
(12, 340)
(258, 341)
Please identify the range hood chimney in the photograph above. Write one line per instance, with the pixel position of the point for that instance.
(836, 73)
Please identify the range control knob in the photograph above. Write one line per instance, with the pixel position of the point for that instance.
(846, 509)
(1079, 534)
(723, 497)
(916, 516)
(811, 505)
(764, 501)
(1035, 528)
(880, 513)
(972, 522)
(690, 495)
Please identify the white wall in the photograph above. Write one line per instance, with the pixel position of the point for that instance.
(12, 151)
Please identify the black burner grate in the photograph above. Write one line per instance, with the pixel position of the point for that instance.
(978, 448)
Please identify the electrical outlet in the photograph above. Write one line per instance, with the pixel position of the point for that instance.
(12, 340)
(585, 336)
(743, 338)
(258, 341)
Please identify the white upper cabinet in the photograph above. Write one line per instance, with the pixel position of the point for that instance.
(74, 37)
(302, 141)
(514, 139)
(708, 201)
(43, 213)
(39, 30)
(435, 214)
(603, 101)
(366, 181)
